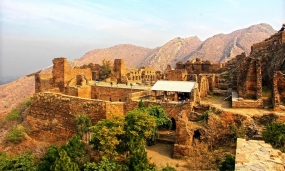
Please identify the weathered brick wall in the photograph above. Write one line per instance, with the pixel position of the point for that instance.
(247, 103)
(62, 73)
(42, 82)
(53, 115)
(84, 91)
(141, 94)
(278, 91)
(177, 75)
(115, 93)
(71, 91)
(117, 108)
(248, 84)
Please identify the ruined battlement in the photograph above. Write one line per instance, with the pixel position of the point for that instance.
(197, 66)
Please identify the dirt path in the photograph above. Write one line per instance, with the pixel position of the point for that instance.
(161, 155)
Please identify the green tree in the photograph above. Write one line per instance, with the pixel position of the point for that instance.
(48, 160)
(139, 126)
(275, 134)
(83, 123)
(24, 162)
(75, 150)
(160, 116)
(228, 164)
(161, 120)
(105, 165)
(141, 104)
(106, 69)
(64, 163)
(106, 136)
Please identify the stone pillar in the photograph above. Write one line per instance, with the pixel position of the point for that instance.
(164, 94)
(176, 96)
(258, 80)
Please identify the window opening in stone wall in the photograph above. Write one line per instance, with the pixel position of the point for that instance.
(197, 135)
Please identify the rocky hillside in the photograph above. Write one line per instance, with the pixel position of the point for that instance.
(222, 47)
(172, 52)
(133, 55)
(15, 92)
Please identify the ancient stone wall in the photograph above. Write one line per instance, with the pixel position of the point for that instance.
(111, 93)
(197, 66)
(177, 75)
(249, 79)
(141, 95)
(278, 99)
(62, 73)
(42, 82)
(185, 131)
(53, 115)
(239, 102)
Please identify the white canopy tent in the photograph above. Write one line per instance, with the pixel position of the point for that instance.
(174, 86)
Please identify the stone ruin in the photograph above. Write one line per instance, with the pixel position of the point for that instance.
(264, 67)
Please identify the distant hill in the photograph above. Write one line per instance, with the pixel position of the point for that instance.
(222, 47)
(218, 48)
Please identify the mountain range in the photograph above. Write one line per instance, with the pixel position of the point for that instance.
(219, 48)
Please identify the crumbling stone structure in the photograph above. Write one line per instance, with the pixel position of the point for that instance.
(265, 66)
(197, 66)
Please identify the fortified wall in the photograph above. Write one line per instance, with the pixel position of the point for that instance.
(53, 114)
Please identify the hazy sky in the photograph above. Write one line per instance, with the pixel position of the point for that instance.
(33, 32)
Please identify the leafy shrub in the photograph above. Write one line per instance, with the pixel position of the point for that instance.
(275, 134)
(204, 117)
(22, 162)
(13, 115)
(228, 164)
(15, 135)
(105, 165)
(168, 168)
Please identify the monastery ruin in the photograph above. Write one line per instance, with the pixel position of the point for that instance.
(69, 91)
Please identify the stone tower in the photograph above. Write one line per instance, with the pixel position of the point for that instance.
(120, 68)
(61, 70)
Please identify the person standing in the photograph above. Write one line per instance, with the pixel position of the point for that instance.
(282, 28)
